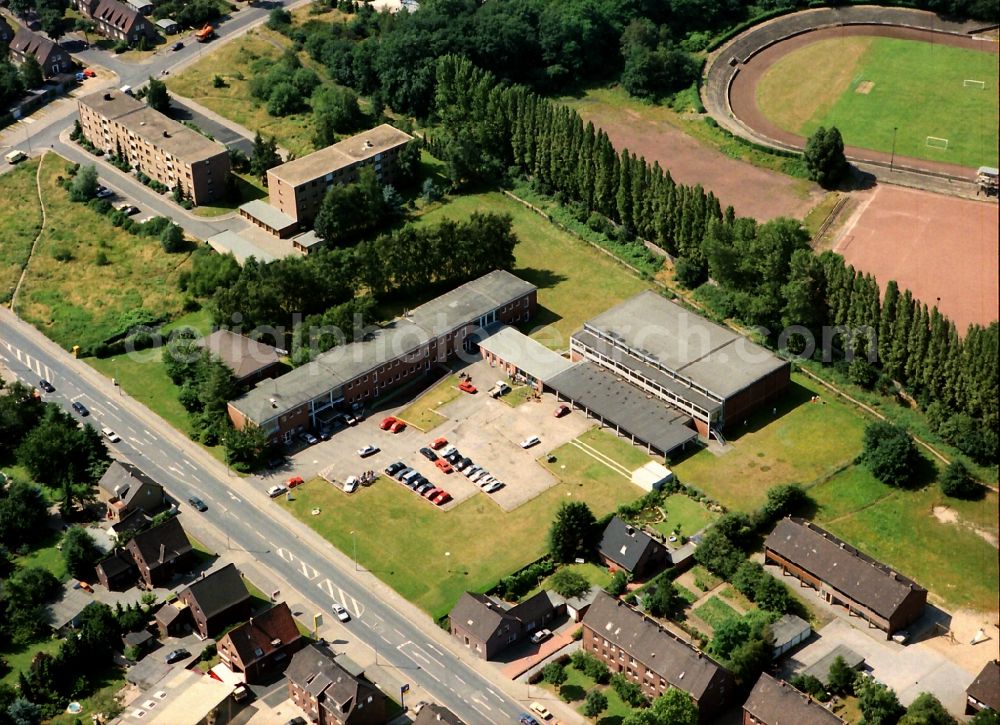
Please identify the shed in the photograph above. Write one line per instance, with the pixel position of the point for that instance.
(789, 632)
(168, 25)
(821, 668)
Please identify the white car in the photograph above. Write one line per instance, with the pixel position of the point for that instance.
(342, 614)
(111, 435)
(480, 476)
(541, 635)
(447, 451)
(351, 484)
(368, 450)
(471, 471)
(275, 491)
(529, 442)
(493, 486)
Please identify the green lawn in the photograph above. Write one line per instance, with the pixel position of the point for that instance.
(805, 442)
(46, 557)
(597, 575)
(915, 87)
(422, 412)
(101, 701)
(615, 448)
(575, 281)
(78, 301)
(704, 579)
(18, 660)
(484, 543)
(247, 189)
(579, 468)
(684, 512)
(579, 684)
(20, 223)
(714, 612)
(518, 394)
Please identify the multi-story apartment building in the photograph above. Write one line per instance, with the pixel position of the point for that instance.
(296, 188)
(387, 358)
(160, 147)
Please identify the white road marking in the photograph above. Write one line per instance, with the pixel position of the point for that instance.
(285, 554)
(327, 586)
(398, 632)
(308, 571)
(135, 440)
(111, 405)
(476, 699)
(494, 694)
(233, 497)
(150, 434)
(190, 465)
(459, 678)
(176, 470)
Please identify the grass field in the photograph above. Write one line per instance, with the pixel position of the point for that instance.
(575, 282)
(402, 539)
(578, 684)
(714, 612)
(686, 513)
(867, 87)
(804, 442)
(20, 659)
(422, 412)
(79, 301)
(20, 223)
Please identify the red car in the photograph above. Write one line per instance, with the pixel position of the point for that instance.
(295, 481)
(441, 498)
(387, 423)
(561, 411)
(467, 387)
(88, 73)
(443, 465)
(439, 443)
(397, 426)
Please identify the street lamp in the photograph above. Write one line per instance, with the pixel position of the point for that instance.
(892, 157)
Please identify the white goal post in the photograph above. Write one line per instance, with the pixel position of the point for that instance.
(936, 142)
(970, 83)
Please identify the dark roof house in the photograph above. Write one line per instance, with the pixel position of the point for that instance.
(640, 648)
(261, 645)
(122, 22)
(487, 627)
(329, 694)
(125, 489)
(434, 714)
(624, 546)
(844, 575)
(161, 552)
(129, 525)
(984, 692)
(775, 702)
(52, 58)
(118, 571)
(217, 600)
(251, 361)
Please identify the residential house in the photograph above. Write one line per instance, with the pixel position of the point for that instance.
(161, 552)
(117, 572)
(623, 546)
(129, 525)
(329, 694)
(262, 645)
(251, 361)
(844, 576)
(984, 692)
(649, 655)
(488, 628)
(120, 21)
(434, 714)
(125, 489)
(775, 702)
(217, 600)
(52, 58)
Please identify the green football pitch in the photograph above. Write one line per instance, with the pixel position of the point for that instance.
(932, 101)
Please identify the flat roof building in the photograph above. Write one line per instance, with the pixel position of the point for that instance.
(521, 357)
(391, 356)
(160, 147)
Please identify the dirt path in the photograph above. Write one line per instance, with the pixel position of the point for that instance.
(34, 242)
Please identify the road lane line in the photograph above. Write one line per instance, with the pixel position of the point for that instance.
(190, 465)
(150, 434)
(176, 470)
(111, 405)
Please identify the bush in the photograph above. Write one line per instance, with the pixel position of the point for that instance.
(889, 452)
(554, 673)
(595, 704)
(957, 482)
(810, 685)
(618, 584)
(569, 584)
(628, 691)
(218, 82)
(172, 238)
(690, 272)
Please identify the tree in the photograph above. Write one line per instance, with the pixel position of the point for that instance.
(824, 157)
(264, 156)
(82, 456)
(810, 685)
(80, 552)
(335, 110)
(569, 583)
(986, 716)
(957, 482)
(783, 500)
(157, 97)
(31, 73)
(554, 673)
(676, 707)
(664, 600)
(888, 452)
(350, 211)
(23, 712)
(840, 678)
(926, 710)
(618, 584)
(747, 577)
(245, 448)
(172, 238)
(84, 185)
(11, 85)
(595, 704)
(717, 554)
(772, 595)
(572, 532)
(878, 703)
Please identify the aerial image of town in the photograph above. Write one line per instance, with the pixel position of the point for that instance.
(499, 362)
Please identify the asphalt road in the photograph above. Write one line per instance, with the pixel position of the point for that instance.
(407, 643)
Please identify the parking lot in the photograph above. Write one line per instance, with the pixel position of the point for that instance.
(486, 430)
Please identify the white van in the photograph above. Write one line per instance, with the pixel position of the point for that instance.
(15, 157)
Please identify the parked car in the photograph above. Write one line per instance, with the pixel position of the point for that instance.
(348, 419)
(351, 484)
(197, 504)
(466, 387)
(463, 464)
(276, 490)
(443, 465)
(80, 408)
(308, 438)
(431, 492)
(540, 636)
(177, 655)
(111, 435)
(483, 473)
(428, 454)
(46, 386)
(295, 481)
(393, 468)
(128, 209)
(493, 486)
(529, 442)
(368, 450)
(526, 719)
(540, 710)
(103, 192)
(387, 422)
(88, 73)
(177, 46)
(342, 614)
(439, 443)
(471, 471)
(423, 487)
(397, 427)
(500, 388)
(561, 410)
(441, 498)
(403, 472)
(453, 458)
(447, 451)
(325, 433)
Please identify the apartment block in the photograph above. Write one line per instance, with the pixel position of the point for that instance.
(160, 147)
